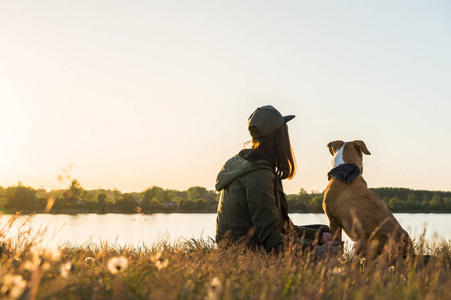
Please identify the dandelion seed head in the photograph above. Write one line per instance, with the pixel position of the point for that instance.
(215, 289)
(117, 264)
(216, 283)
(65, 269)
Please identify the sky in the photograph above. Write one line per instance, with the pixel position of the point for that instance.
(134, 94)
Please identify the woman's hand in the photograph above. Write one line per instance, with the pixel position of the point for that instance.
(330, 248)
(327, 237)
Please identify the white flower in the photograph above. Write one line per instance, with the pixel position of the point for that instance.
(216, 285)
(363, 261)
(12, 286)
(337, 271)
(31, 265)
(53, 252)
(155, 257)
(391, 269)
(45, 266)
(65, 269)
(161, 264)
(117, 264)
(50, 251)
(215, 289)
(89, 259)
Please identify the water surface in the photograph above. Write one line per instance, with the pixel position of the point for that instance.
(137, 229)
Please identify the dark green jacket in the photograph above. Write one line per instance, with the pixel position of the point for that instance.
(252, 207)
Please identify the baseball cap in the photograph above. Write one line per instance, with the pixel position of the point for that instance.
(265, 120)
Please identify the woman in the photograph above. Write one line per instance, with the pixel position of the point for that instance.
(252, 207)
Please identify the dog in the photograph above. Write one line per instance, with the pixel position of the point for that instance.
(351, 206)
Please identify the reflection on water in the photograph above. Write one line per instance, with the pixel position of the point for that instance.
(136, 229)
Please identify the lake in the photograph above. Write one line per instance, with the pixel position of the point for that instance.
(137, 229)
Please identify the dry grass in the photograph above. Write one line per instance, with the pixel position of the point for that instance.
(197, 269)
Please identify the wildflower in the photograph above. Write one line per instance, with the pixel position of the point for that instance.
(161, 265)
(45, 266)
(155, 257)
(216, 284)
(12, 286)
(65, 269)
(215, 289)
(391, 269)
(31, 265)
(51, 252)
(363, 261)
(337, 271)
(117, 264)
(89, 259)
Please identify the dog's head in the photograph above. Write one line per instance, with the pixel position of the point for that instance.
(347, 153)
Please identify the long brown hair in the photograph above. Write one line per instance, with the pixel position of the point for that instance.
(276, 148)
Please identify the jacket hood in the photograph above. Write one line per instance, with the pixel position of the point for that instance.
(246, 161)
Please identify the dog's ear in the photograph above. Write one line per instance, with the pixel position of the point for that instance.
(360, 145)
(334, 146)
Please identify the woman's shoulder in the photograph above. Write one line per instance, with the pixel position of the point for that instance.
(261, 176)
(254, 157)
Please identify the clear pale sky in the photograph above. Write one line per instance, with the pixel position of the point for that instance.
(140, 93)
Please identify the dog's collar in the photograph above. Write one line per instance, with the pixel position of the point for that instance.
(345, 172)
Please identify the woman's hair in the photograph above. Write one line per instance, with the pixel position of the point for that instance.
(276, 148)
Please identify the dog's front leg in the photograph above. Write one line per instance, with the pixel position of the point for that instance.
(335, 229)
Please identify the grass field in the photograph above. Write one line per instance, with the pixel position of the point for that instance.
(197, 269)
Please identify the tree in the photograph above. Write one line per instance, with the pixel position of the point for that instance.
(101, 201)
(394, 203)
(149, 196)
(436, 202)
(156, 204)
(187, 205)
(197, 192)
(75, 189)
(447, 202)
(200, 204)
(127, 203)
(21, 197)
(73, 193)
(411, 200)
(317, 203)
(304, 198)
(425, 202)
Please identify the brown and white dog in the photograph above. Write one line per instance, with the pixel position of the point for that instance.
(351, 206)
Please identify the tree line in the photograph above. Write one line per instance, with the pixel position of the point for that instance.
(76, 199)
(396, 199)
